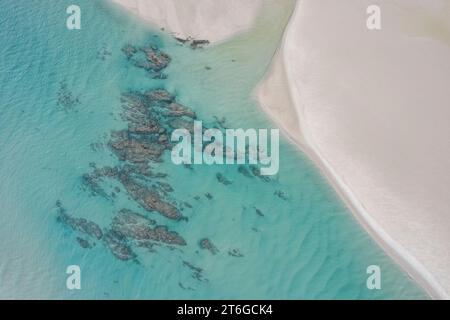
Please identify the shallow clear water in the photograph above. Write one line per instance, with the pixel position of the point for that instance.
(305, 246)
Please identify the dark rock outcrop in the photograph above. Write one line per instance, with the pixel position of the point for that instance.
(116, 242)
(235, 253)
(140, 228)
(149, 58)
(150, 200)
(222, 179)
(80, 224)
(206, 244)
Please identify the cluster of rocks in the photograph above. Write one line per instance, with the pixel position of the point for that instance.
(282, 195)
(193, 43)
(197, 273)
(252, 171)
(93, 181)
(129, 51)
(165, 187)
(208, 196)
(80, 224)
(206, 244)
(127, 228)
(244, 171)
(114, 241)
(132, 179)
(142, 229)
(149, 58)
(222, 179)
(156, 59)
(118, 245)
(66, 99)
(151, 116)
(103, 53)
(129, 148)
(257, 173)
(149, 199)
(235, 253)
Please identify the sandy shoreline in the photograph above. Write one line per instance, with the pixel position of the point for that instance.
(201, 19)
(400, 255)
(299, 94)
(284, 69)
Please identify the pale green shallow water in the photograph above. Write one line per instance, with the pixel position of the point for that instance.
(308, 246)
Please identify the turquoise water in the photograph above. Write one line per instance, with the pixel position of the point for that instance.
(60, 101)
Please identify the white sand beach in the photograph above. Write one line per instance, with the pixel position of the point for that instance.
(201, 19)
(370, 108)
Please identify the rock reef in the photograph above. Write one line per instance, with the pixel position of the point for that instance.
(149, 199)
(140, 228)
(80, 224)
(149, 58)
(206, 244)
(66, 99)
(150, 117)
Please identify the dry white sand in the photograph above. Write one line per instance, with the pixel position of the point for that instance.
(371, 108)
(373, 111)
(213, 20)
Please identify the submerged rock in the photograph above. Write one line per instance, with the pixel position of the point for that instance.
(85, 244)
(149, 199)
(197, 272)
(221, 178)
(187, 204)
(259, 212)
(94, 180)
(166, 187)
(178, 110)
(208, 196)
(148, 58)
(138, 227)
(134, 150)
(182, 123)
(127, 216)
(235, 253)
(244, 171)
(116, 242)
(281, 194)
(159, 95)
(129, 51)
(103, 53)
(221, 122)
(80, 224)
(157, 60)
(257, 173)
(207, 244)
(66, 99)
(150, 116)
